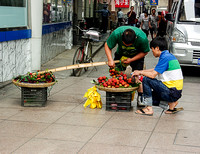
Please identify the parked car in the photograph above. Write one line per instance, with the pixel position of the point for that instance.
(183, 31)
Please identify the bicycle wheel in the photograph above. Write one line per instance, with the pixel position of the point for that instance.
(88, 57)
(78, 59)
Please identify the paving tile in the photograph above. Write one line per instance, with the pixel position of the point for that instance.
(11, 103)
(37, 115)
(191, 116)
(21, 129)
(80, 88)
(44, 146)
(190, 106)
(157, 113)
(98, 148)
(190, 86)
(190, 98)
(164, 151)
(88, 110)
(9, 144)
(121, 137)
(188, 138)
(165, 141)
(6, 112)
(80, 119)
(126, 122)
(64, 97)
(59, 106)
(68, 132)
(172, 126)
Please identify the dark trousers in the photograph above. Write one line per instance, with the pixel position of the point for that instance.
(104, 24)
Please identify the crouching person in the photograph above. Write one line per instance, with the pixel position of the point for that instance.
(167, 88)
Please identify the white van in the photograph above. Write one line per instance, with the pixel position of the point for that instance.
(183, 31)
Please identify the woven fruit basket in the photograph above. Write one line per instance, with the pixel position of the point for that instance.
(32, 85)
(116, 89)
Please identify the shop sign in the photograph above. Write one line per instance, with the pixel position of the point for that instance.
(67, 1)
(122, 3)
(153, 2)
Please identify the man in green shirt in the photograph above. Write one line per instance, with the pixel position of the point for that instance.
(132, 43)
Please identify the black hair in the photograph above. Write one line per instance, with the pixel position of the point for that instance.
(128, 36)
(160, 42)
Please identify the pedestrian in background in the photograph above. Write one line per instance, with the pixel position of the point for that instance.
(120, 16)
(153, 24)
(131, 17)
(145, 24)
(162, 25)
(105, 14)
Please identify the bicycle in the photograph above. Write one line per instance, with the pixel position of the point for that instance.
(84, 53)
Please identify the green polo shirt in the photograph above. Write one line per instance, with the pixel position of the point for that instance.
(141, 43)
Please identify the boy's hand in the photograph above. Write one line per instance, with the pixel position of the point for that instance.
(136, 73)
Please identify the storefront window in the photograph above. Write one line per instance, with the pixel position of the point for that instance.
(14, 3)
(56, 11)
(13, 13)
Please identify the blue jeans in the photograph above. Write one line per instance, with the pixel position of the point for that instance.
(133, 25)
(160, 91)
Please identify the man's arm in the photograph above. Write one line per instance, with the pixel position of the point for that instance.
(137, 57)
(109, 56)
(151, 73)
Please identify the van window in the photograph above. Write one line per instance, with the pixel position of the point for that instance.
(189, 11)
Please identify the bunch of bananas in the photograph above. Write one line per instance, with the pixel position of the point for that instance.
(93, 98)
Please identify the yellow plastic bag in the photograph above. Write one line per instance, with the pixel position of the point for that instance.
(123, 58)
(93, 98)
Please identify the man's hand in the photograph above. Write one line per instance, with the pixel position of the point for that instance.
(111, 64)
(127, 61)
(136, 73)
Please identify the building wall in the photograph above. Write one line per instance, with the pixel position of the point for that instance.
(55, 43)
(15, 58)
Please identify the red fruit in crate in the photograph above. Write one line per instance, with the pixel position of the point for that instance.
(129, 80)
(113, 84)
(120, 84)
(103, 81)
(116, 86)
(117, 82)
(104, 77)
(105, 85)
(110, 71)
(123, 83)
(100, 78)
(109, 83)
(120, 78)
(124, 75)
(121, 73)
(125, 78)
(109, 80)
(30, 74)
(109, 86)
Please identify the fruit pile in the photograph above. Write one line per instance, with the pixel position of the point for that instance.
(118, 80)
(46, 77)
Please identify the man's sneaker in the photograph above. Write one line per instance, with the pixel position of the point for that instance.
(140, 101)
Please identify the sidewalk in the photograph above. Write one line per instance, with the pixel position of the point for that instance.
(65, 126)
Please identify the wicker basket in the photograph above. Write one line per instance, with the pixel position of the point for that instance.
(33, 85)
(116, 89)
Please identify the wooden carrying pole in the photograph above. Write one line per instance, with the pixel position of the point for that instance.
(69, 67)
